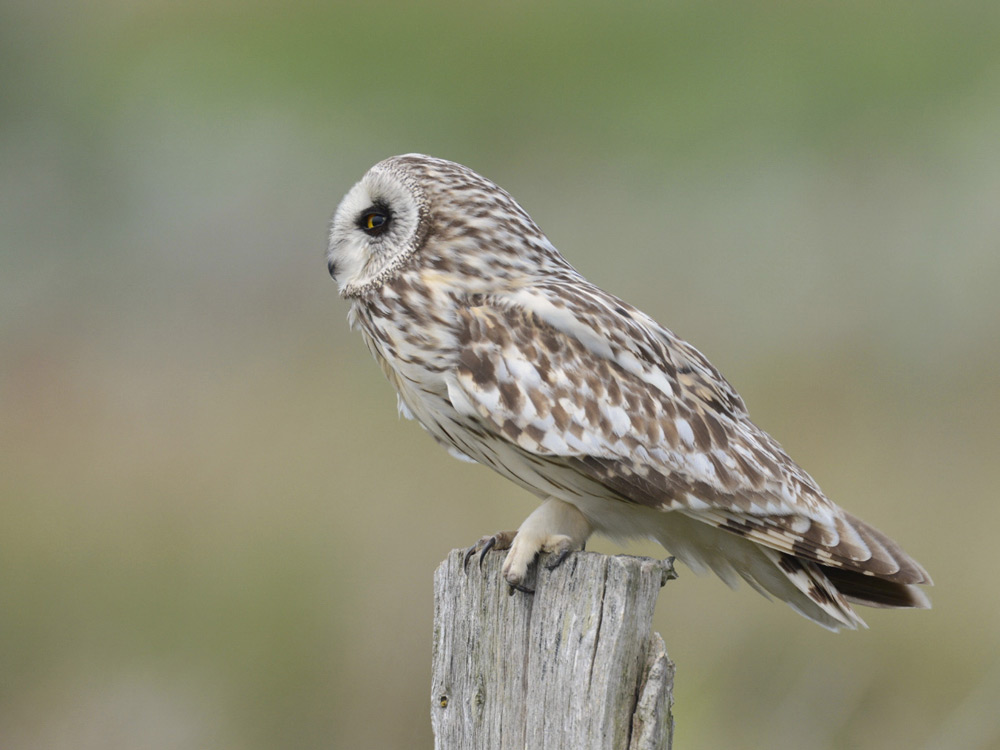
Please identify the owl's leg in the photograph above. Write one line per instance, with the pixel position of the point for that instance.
(555, 526)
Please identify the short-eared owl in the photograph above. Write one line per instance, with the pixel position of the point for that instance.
(509, 357)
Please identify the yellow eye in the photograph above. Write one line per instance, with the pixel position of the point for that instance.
(374, 220)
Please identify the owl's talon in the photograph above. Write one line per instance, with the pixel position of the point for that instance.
(499, 541)
(490, 544)
(518, 587)
(560, 557)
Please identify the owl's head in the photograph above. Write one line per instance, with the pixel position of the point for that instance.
(380, 223)
(418, 209)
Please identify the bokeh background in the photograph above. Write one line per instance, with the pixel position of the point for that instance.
(214, 529)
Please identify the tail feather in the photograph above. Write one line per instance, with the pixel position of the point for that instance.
(875, 592)
(799, 583)
(815, 592)
(907, 571)
(821, 593)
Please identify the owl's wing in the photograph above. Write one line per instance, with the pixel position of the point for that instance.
(660, 428)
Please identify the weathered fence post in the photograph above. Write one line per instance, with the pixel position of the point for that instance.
(572, 666)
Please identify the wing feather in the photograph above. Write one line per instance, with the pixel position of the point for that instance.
(647, 416)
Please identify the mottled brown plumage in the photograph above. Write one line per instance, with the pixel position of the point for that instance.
(509, 357)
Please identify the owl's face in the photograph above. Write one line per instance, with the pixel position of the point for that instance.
(380, 223)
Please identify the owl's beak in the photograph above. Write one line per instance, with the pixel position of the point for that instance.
(332, 268)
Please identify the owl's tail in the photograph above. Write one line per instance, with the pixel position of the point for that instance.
(819, 592)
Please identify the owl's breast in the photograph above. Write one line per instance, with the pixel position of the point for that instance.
(416, 350)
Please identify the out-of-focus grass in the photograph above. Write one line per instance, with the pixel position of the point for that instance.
(216, 532)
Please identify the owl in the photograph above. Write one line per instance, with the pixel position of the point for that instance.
(509, 357)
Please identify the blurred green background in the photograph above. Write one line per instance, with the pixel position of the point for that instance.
(215, 530)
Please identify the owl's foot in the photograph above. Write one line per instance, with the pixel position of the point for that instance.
(555, 527)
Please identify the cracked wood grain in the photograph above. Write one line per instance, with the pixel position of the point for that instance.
(572, 666)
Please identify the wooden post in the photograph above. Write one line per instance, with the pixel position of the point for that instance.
(572, 666)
